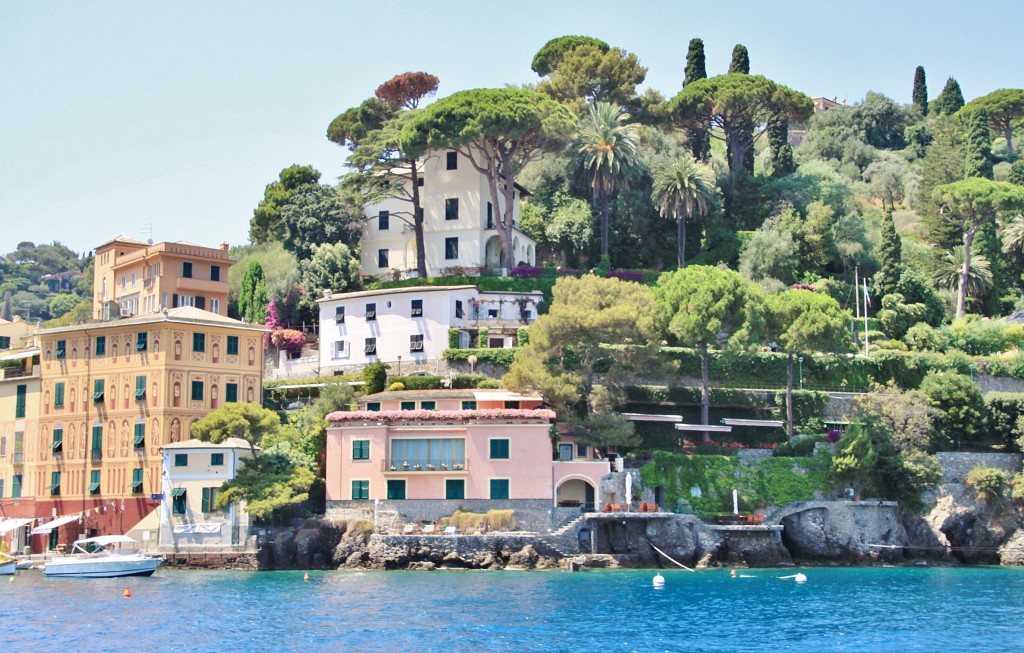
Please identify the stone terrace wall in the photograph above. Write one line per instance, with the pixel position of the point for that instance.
(530, 514)
(957, 464)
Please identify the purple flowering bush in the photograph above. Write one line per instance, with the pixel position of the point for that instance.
(626, 275)
(524, 272)
(833, 436)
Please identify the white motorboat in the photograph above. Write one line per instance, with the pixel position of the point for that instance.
(91, 558)
(8, 566)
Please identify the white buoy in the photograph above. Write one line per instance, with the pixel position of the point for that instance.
(659, 581)
(799, 578)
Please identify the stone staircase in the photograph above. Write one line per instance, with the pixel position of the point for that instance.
(565, 539)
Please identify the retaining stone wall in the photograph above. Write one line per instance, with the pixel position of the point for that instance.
(957, 464)
(530, 514)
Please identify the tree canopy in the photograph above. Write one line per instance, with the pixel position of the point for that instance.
(1004, 109)
(589, 74)
(552, 52)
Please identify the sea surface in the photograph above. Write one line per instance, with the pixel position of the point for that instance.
(837, 609)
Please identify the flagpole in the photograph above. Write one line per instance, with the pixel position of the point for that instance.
(856, 287)
(866, 299)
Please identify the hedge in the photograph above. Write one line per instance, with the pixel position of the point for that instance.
(1005, 410)
(461, 381)
(497, 355)
(544, 283)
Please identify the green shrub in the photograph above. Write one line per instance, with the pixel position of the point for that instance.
(376, 376)
(481, 338)
(963, 415)
(1006, 412)
(988, 481)
(922, 337)
(453, 338)
(1017, 487)
(397, 386)
(489, 384)
(498, 356)
(799, 446)
(522, 336)
(977, 337)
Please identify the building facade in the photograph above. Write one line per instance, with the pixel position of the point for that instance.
(459, 221)
(133, 277)
(425, 454)
(193, 472)
(409, 326)
(19, 422)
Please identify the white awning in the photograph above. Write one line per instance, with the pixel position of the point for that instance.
(50, 525)
(501, 396)
(14, 523)
(644, 417)
(704, 428)
(18, 355)
(752, 422)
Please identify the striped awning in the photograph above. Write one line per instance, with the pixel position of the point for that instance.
(178, 492)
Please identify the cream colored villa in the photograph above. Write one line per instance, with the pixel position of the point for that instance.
(459, 224)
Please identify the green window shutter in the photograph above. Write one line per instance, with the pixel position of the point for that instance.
(454, 489)
(197, 391)
(199, 342)
(61, 349)
(5, 342)
(232, 345)
(360, 490)
(180, 501)
(499, 449)
(139, 440)
(97, 438)
(231, 392)
(216, 459)
(428, 405)
(55, 484)
(16, 486)
(360, 450)
(58, 440)
(58, 395)
(19, 406)
(140, 388)
(94, 481)
(97, 391)
(141, 341)
(469, 405)
(373, 406)
(137, 480)
(181, 460)
(101, 345)
(499, 488)
(408, 405)
(396, 489)
(206, 499)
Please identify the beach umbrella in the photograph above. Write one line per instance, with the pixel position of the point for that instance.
(629, 490)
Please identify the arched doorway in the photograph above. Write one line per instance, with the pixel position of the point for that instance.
(572, 492)
(494, 257)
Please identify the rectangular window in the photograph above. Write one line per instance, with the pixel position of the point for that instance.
(451, 208)
(54, 484)
(384, 220)
(140, 388)
(97, 391)
(443, 453)
(214, 273)
(199, 342)
(101, 345)
(3, 447)
(97, 441)
(360, 490)
(370, 349)
(181, 460)
(341, 349)
(371, 312)
(469, 405)
(137, 480)
(416, 308)
(216, 459)
(373, 405)
(1, 488)
(231, 392)
(16, 486)
(58, 440)
(416, 342)
(454, 488)
(499, 449)
(5, 342)
(61, 348)
(459, 313)
(58, 394)
(339, 315)
(451, 248)
(428, 405)
(209, 499)
(420, 181)
(490, 216)
(21, 394)
(360, 450)
(139, 439)
(186, 270)
(499, 488)
(215, 306)
(232, 345)
(396, 489)
(179, 499)
(382, 258)
(451, 160)
(200, 302)
(197, 391)
(408, 405)
(141, 341)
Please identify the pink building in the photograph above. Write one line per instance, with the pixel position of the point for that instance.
(427, 453)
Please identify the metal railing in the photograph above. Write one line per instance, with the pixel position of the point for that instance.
(425, 465)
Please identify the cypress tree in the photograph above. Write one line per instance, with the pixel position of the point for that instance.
(6, 313)
(695, 63)
(700, 142)
(781, 151)
(978, 146)
(252, 297)
(890, 255)
(740, 60)
(920, 91)
(1016, 175)
(950, 100)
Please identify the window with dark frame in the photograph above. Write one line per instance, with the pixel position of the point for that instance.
(416, 342)
(339, 314)
(360, 450)
(186, 269)
(416, 308)
(232, 345)
(451, 160)
(360, 490)
(370, 349)
(384, 220)
(451, 208)
(214, 273)
(490, 216)
(371, 312)
(198, 342)
(451, 248)
(459, 313)
(101, 345)
(499, 449)
(382, 258)
(499, 488)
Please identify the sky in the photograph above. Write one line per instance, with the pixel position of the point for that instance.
(166, 120)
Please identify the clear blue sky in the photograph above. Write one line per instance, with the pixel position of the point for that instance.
(114, 115)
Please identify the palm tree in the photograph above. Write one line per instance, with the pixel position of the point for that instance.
(1013, 235)
(950, 266)
(682, 188)
(605, 150)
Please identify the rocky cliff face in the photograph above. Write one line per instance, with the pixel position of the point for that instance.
(963, 527)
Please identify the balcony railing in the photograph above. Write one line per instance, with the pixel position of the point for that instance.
(425, 465)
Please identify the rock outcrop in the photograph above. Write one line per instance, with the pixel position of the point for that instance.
(845, 532)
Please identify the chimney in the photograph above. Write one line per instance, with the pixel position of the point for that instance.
(223, 247)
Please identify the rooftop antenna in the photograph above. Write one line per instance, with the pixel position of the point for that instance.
(147, 230)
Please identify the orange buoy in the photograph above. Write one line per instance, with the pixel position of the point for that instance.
(305, 577)
(127, 593)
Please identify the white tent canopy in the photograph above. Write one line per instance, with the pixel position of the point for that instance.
(14, 523)
(50, 525)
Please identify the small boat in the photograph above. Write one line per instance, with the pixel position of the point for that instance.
(8, 565)
(90, 558)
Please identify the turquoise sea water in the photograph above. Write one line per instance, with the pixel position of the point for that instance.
(842, 609)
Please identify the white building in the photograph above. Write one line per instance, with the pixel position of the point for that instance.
(410, 325)
(458, 224)
(193, 472)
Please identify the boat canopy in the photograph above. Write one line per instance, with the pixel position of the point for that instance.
(104, 540)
